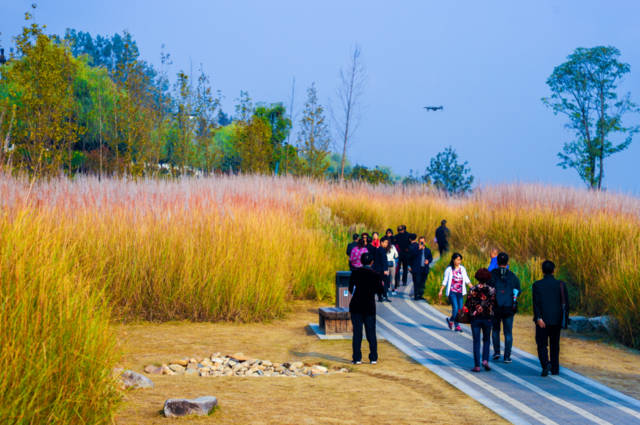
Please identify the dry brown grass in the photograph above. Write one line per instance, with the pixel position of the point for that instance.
(595, 356)
(396, 391)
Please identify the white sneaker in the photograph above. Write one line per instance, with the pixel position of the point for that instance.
(374, 362)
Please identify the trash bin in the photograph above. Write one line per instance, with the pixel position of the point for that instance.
(343, 297)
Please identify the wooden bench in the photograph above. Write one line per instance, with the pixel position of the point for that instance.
(335, 320)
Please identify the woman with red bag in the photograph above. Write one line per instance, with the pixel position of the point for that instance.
(481, 304)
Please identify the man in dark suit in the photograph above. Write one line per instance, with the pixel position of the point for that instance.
(381, 265)
(442, 237)
(420, 258)
(364, 285)
(352, 244)
(550, 314)
(402, 240)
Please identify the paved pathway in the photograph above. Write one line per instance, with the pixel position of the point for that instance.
(515, 391)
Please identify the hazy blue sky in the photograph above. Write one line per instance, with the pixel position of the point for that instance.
(485, 61)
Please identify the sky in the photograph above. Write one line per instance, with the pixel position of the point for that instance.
(486, 62)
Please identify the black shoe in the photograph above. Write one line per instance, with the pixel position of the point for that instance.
(545, 371)
(496, 356)
(380, 300)
(507, 359)
(555, 372)
(387, 300)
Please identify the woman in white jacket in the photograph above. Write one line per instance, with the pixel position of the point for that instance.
(455, 281)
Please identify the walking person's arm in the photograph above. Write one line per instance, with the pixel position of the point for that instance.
(537, 306)
(445, 281)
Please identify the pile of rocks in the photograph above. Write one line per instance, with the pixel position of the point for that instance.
(237, 365)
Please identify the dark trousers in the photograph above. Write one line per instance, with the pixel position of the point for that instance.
(387, 283)
(507, 328)
(419, 281)
(442, 248)
(479, 326)
(403, 260)
(549, 335)
(369, 322)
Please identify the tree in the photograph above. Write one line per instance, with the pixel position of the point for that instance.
(446, 173)
(584, 89)
(40, 85)
(313, 137)
(350, 90)
(377, 175)
(253, 139)
(275, 116)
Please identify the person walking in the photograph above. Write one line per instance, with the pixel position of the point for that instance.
(493, 263)
(551, 315)
(352, 244)
(364, 285)
(420, 257)
(456, 280)
(381, 265)
(507, 286)
(402, 241)
(481, 303)
(356, 254)
(392, 256)
(442, 237)
(375, 239)
(389, 235)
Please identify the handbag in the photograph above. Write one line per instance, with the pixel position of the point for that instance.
(463, 315)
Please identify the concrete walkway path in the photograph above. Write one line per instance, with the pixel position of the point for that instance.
(515, 391)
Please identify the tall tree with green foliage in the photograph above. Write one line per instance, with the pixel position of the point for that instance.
(584, 88)
(446, 173)
(313, 138)
(276, 116)
(40, 83)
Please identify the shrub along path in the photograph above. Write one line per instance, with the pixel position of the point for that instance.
(515, 391)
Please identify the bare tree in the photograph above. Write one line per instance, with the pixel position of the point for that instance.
(350, 91)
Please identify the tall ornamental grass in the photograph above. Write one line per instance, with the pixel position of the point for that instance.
(594, 238)
(57, 349)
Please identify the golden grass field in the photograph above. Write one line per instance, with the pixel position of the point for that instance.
(78, 256)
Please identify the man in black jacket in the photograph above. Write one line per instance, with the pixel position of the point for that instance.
(419, 258)
(364, 285)
(550, 314)
(442, 237)
(402, 240)
(507, 287)
(352, 244)
(381, 265)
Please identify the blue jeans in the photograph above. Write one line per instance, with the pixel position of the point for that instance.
(507, 326)
(369, 322)
(456, 304)
(481, 326)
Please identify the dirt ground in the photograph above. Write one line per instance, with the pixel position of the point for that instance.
(395, 391)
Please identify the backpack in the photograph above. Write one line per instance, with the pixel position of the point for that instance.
(504, 297)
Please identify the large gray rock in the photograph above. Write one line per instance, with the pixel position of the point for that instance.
(183, 407)
(131, 379)
(580, 324)
(603, 324)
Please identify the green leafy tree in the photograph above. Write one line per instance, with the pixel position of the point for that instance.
(446, 173)
(313, 138)
(377, 175)
(254, 146)
(584, 89)
(39, 85)
(275, 116)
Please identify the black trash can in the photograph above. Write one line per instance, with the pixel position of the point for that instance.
(343, 297)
